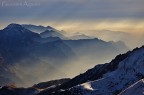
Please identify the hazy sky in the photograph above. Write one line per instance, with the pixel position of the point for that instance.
(106, 19)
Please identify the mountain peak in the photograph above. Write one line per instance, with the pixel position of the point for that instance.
(50, 27)
(14, 30)
(13, 26)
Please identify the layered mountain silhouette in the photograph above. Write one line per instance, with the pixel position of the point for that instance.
(44, 31)
(29, 58)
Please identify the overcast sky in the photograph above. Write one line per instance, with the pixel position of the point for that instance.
(77, 15)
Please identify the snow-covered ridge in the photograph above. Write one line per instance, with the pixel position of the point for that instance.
(129, 71)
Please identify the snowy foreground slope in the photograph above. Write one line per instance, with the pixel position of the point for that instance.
(129, 71)
(135, 89)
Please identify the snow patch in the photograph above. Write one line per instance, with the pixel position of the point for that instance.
(87, 86)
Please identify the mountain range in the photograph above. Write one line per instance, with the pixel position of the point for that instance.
(28, 57)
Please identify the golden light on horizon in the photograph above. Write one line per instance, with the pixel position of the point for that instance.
(129, 26)
(119, 26)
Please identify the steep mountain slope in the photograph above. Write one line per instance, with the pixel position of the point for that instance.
(127, 70)
(14, 42)
(135, 89)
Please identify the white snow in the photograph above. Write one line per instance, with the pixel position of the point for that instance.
(87, 86)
